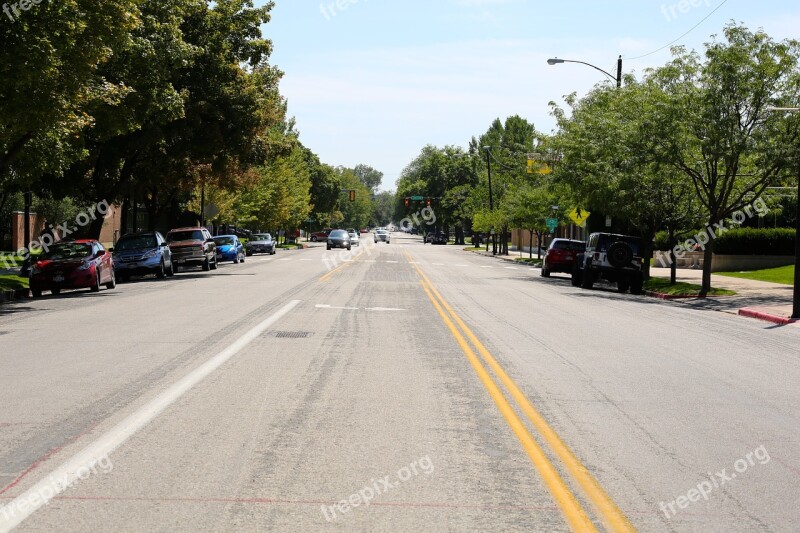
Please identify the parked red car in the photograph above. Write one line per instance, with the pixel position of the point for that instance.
(80, 264)
(561, 255)
(321, 235)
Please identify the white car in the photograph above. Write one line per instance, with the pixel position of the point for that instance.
(354, 238)
(381, 235)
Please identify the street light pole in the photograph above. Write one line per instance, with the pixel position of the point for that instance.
(796, 293)
(617, 78)
(491, 197)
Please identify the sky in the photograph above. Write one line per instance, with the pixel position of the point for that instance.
(374, 81)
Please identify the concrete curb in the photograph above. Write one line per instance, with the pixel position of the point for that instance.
(16, 294)
(662, 296)
(768, 317)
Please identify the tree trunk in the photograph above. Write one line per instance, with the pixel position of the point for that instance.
(673, 266)
(530, 243)
(708, 256)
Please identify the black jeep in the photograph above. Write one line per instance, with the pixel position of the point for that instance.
(616, 258)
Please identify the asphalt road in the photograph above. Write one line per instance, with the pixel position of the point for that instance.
(403, 387)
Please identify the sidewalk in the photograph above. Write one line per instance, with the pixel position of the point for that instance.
(755, 299)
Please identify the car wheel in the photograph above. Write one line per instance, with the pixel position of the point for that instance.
(161, 273)
(213, 265)
(241, 259)
(313, 239)
(329, 247)
(55, 292)
(96, 285)
(545, 272)
(588, 279)
(348, 248)
(577, 276)
(637, 284)
(206, 265)
(36, 293)
(235, 259)
(623, 284)
(113, 283)
(171, 271)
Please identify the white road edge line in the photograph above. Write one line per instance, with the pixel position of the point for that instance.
(27, 503)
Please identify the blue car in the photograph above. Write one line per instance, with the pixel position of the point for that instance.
(229, 248)
(140, 254)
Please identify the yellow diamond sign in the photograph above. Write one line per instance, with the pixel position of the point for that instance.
(579, 216)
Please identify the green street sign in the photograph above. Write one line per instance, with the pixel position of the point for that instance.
(417, 198)
(552, 224)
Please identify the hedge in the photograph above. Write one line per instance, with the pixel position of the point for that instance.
(745, 241)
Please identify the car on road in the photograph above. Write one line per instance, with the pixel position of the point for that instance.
(140, 254)
(355, 240)
(229, 248)
(339, 238)
(561, 256)
(438, 237)
(615, 258)
(192, 247)
(381, 235)
(261, 243)
(320, 235)
(78, 264)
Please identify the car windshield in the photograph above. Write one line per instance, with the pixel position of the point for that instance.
(190, 235)
(224, 241)
(261, 237)
(381, 232)
(67, 251)
(339, 233)
(136, 242)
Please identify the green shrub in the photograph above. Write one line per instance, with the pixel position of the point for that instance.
(755, 241)
(742, 241)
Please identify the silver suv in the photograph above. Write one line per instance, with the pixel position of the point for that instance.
(616, 258)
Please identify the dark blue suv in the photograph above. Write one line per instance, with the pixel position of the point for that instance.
(139, 254)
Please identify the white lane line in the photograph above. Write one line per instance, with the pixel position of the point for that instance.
(487, 266)
(306, 260)
(325, 306)
(27, 503)
(394, 262)
(438, 264)
(385, 309)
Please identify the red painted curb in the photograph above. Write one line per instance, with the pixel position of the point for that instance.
(760, 315)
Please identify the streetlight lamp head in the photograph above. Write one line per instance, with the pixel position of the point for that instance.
(554, 61)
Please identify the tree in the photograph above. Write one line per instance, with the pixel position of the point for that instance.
(48, 74)
(711, 121)
(370, 177)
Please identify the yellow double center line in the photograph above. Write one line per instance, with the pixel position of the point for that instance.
(577, 518)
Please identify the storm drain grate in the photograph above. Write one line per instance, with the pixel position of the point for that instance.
(291, 334)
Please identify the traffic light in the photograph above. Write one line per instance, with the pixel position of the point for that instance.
(406, 201)
(352, 196)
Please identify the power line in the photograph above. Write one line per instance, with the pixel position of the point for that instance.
(682, 36)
